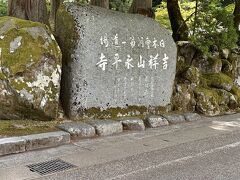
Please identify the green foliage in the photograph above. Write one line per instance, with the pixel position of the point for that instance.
(161, 15)
(214, 26)
(3, 7)
(230, 8)
(120, 5)
(187, 9)
(214, 23)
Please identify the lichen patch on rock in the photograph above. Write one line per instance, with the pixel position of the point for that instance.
(30, 70)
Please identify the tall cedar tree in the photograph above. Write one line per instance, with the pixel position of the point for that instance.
(34, 10)
(143, 7)
(101, 3)
(179, 26)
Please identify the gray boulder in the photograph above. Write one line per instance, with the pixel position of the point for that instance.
(30, 70)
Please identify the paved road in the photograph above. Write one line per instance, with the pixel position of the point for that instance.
(208, 149)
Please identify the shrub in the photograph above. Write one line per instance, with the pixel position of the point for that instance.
(3, 7)
(214, 26)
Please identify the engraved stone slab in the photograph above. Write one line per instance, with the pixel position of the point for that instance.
(113, 60)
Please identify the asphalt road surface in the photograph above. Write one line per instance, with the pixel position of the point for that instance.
(207, 149)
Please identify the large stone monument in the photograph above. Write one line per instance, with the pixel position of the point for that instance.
(114, 64)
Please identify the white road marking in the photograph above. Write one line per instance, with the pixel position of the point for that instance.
(233, 145)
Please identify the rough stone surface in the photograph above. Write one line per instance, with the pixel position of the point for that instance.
(175, 118)
(106, 127)
(12, 145)
(237, 68)
(45, 140)
(207, 101)
(187, 50)
(30, 70)
(133, 124)
(219, 80)
(78, 129)
(208, 65)
(192, 75)
(183, 98)
(156, 121)
(113, 60)
(192, 117)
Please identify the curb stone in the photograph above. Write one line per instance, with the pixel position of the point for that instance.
(20, 144)
(45, 140)
(175, 118)
(133, 124)
(106, 127)
(78, 129)
(156, 121)
(189, 117)
(14, 145)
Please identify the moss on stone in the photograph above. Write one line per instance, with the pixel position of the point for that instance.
(2, 76)
(33, 62)
(208, 92)
(30, 50)
(22, 23)
(192, 74)
(183, 98)
(26, 127)
(218, 80)
(69, 36)
(207, 101)
(130, 111)
(215, 63)
(236, 91)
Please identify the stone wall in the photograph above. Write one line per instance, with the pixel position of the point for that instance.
(206, 84)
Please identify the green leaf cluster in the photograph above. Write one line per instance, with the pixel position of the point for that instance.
(3, 8)
(213, 26)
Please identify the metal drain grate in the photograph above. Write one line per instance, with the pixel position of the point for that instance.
(52, 166)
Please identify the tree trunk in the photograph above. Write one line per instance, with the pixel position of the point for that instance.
(33, 10)
(140, 4)
(16, 8)
(195, 17)
(101, 3)
(236, 14)
(53, 13)
(143, 7)
(179, 26)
